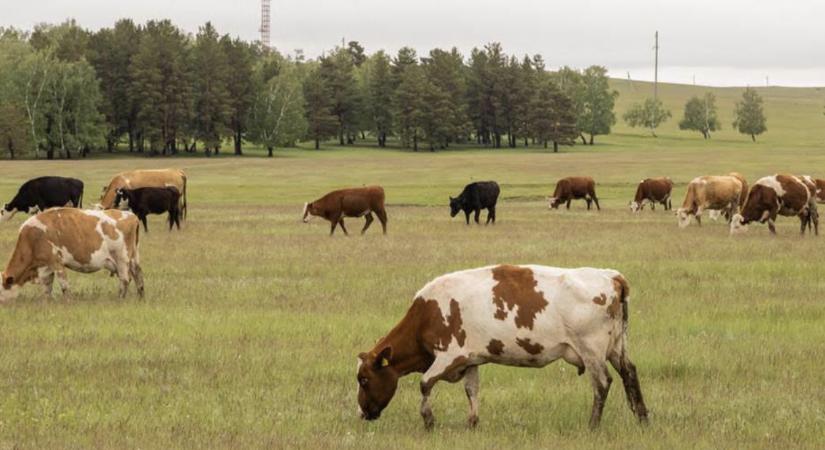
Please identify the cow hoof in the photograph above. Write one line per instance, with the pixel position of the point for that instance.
(472, 422)
(429, 423)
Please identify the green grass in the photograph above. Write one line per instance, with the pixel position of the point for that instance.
(249, 333)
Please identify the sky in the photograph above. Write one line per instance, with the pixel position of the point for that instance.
(714, 42)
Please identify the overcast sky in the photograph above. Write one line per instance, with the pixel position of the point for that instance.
(720, 42)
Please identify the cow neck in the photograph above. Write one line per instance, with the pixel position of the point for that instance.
(408, 354)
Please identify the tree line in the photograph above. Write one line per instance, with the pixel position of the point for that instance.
(66, 91)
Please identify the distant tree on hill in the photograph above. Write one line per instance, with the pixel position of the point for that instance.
(379, 96)
(212, 101)
(648, 114)
(337, 73)
(749, 117)
(241, 58)
(700, 115)
(409, 106)
(597, 101)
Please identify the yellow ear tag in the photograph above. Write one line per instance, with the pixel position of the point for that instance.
(384, 362)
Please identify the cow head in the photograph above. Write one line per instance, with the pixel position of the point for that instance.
(684, 217)
(377, 382)
(635, 206)
(7, 212)
(455, 206)
(121, 199)
(738, 225)
(309, 211)
(554, 202)
(8, 290)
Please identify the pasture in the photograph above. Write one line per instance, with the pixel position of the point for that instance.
(252, 321)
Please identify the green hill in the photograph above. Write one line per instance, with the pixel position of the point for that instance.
(795, 115)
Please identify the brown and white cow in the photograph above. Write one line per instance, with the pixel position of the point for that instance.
(135, 179)
(527, 316)
(81, 240)
(355, 202)
(710, 192)
(574, 188)
(782, 194)
(653, 190)
(819, 187)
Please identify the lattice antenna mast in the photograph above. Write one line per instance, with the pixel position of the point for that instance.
(265, 23)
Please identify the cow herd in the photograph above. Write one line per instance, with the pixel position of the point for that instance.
(526, 316)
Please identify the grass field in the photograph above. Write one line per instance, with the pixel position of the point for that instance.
(252, 322)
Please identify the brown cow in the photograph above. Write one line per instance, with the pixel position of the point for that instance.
(145, 178)
(653, 190)
(81, 240)
(744, 194)
(524, 316)
(781, 194)
(574, 188)
(355, 202)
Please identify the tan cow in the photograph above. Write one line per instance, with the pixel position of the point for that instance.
(653, 190)
(81, 240)
(819, 187)
(782, 194)
(525, 316)
(710, 192)
(355, 202)
(144, 178)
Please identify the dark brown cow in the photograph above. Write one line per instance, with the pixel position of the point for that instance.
(653, 190)
(355, 202)
(782, 194)
(574, 188)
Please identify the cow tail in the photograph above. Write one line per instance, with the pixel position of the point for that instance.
(80, 200)
(624, 295)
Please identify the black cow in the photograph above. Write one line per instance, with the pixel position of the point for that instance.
(475, 197)
(40, 194)
(151, 200)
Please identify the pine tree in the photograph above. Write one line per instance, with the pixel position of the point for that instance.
(212, 101)
(380, 92)
(240, 57)
(321, 122)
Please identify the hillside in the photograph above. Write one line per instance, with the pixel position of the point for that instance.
(795, 115)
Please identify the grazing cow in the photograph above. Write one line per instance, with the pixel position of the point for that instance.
(744, 194)
(355, 202)
(81, 240)
(145, 178)
(819, 187)
(710, 192)
(653, 190)
(40, 194)
(527, 316)
(782, 194)
(151, 200)
(475, 197)
(574, 188)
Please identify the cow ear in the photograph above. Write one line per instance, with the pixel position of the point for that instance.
(382, 359)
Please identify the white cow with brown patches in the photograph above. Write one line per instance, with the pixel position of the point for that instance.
(80, 240)
(526, 316)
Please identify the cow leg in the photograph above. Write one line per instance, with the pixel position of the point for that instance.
(368, 218)
(596, 201)
(588, 201)
(63, 281)
(632, 390)
(491, 215)
(145, 225)
(46, 278)
(471, 385)
(771, 227)
(341, 222)
(568, 204)
(600, 379)
(467, 217)
(448, 367)
(382, 217)
(476, 215)
(123, 273)
(137, 274)
(332, 227)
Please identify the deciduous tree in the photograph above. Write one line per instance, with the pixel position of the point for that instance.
(700, 115)
(749, 116)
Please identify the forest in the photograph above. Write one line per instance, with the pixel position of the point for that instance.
(152, 88)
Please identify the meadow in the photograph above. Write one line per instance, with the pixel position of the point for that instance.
(252, 321)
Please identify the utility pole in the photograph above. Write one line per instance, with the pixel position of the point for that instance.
(656, 68)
